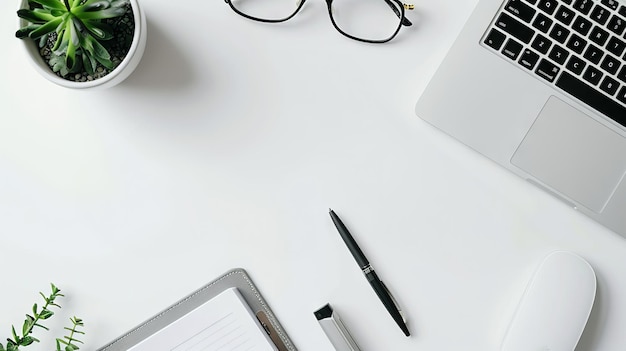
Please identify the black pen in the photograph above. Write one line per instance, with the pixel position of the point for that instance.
(381, 290)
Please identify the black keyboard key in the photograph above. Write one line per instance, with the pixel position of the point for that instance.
(622, 74)
(547, 70)
(600, 14)
(599, 35)
(622, 10)
(593, 98)
(542, 22)
(515, 28)
(564, 15)
(576, 65)
(622, 97)
(582, 25)
(541, 44)
(569, 2)
(617, 25)
(521, 10)
(558, 54)
(559, 33)
(612, 4)
(584, 6)
(512, 49)
(495, 39)
(548, 6)
(593, 54)
(616, 46)
(610, 64)
(529, 59)
(576, 43)
(592, 75)
(609, 86)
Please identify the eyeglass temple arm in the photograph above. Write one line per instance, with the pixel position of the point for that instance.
(405, 21)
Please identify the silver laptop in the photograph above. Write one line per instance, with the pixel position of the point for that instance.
(539, 86)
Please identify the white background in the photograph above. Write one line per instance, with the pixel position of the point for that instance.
(227, 146)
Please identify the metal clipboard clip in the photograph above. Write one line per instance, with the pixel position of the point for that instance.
(271, 331)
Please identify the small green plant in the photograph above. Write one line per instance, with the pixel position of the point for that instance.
(76, 27)
(70, 341)
(26, 338)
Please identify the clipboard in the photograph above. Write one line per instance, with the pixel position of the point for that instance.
(236, 278)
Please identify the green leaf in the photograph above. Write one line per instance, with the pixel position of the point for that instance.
(45, 314)
(43, 40)
(1, 347)
(88, 44)
(70, 53)
(119, 3)
(57, 62)
(90, 3)
(74, 26)
(103, 14)
(53, 4)
(98, 29)
(34, 16)
(14, 334)
(99, 51)
(87, 3)
(46, 28)
(59, 45)
(28, 325)
(70, 348)
(25, 32)
(94, 6)
(27, 341)
(89, 64)
(58, 13)
(11, 347)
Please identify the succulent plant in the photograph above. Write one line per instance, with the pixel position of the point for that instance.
(77, 28)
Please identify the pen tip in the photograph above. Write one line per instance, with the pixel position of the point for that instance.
(330, 210)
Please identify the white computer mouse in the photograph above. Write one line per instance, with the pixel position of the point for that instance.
(554, 309)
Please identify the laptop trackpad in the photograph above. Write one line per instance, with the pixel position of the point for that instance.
(574, 154)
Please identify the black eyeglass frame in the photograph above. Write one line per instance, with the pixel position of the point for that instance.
(399, 11)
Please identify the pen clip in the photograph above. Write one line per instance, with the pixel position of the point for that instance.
(395, 302)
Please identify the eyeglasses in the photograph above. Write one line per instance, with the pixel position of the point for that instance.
(371, 21)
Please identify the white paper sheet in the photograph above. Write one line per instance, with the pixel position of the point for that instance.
(224, 323)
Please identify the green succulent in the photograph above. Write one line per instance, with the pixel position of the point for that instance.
(79, 26)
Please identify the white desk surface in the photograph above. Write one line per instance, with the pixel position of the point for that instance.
(225, 149)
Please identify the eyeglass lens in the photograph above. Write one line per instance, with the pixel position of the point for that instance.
(372, 20)
(272, 10)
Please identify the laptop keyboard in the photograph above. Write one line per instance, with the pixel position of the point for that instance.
(579, 46)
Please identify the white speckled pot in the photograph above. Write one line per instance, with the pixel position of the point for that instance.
(121, 72)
